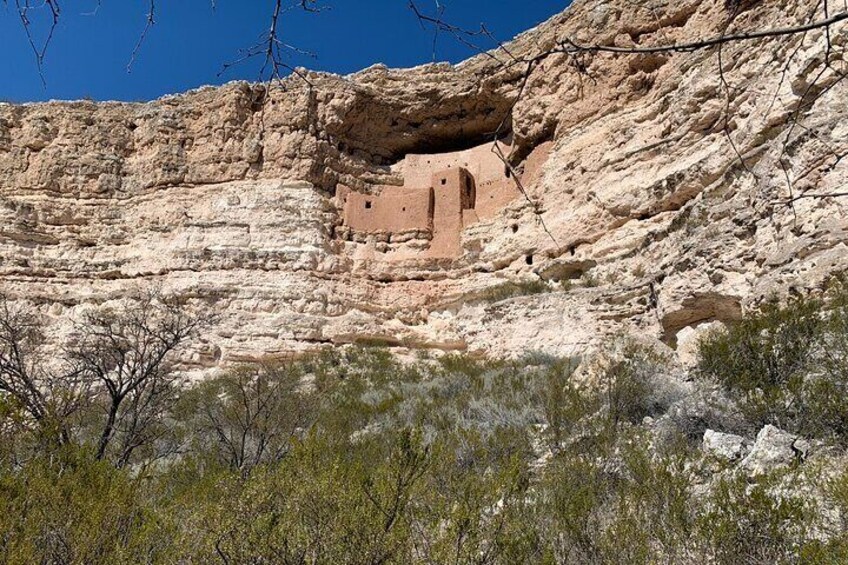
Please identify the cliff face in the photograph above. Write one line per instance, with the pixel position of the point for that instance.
(655, 185)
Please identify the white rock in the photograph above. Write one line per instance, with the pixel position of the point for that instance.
(728, 447)
(773, 449)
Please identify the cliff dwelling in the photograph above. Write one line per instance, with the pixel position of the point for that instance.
(441, 195)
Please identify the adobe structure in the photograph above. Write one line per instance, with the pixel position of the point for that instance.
(442, 194)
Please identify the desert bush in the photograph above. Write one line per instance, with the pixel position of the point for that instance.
(634, 507)
(786, 365)
(510, 289)
(633, 381)
(753, 523)
(565, 405)
(351, 456)
(767, 350)
(834, 548)
(763, 358)
(572, 496)
(249, 416)
(68, 508)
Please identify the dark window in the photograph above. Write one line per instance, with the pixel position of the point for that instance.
(514, 228)
(507, 171)
(529, 259)
(444, 181)
(368, 204)
(403, 209)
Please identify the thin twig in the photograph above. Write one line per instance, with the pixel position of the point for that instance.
(151, 21)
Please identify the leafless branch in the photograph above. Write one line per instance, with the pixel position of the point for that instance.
(23, 8)
(464, 36)
(575, 49)
(272, 49)
(569, 45)
(128, 354)
(151, 21)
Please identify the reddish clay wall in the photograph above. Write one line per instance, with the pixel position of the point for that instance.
(394, 210)
(443, 194)
(535, 162)
(482, 162)
(452, 196)
(492, 183)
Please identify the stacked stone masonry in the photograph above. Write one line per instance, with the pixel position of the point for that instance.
(442, 195)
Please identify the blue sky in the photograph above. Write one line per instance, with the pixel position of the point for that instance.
(190, 42)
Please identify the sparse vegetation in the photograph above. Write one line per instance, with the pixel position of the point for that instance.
(589, 280)
(352, 456)
(512, 289)
(786, 364)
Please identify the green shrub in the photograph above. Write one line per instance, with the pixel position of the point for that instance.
(753, 523)
(249, 416)
(69, 508)
(833, 549)
(786, 365)
(768, 350)
(632, 382)
(511, 289)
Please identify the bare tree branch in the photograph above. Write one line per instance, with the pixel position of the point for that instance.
(569, 45)
(272, 49)
(151, 21)
(24, 7)
(128, 354)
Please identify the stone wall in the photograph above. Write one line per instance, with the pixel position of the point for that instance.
(450, 188)
(464, 188)
(395, 210)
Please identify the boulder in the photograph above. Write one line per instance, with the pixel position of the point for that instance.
(728, 447)
(773, 449)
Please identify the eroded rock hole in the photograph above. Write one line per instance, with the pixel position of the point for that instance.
(529, 259)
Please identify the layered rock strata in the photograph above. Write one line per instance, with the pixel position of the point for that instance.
(652, 192)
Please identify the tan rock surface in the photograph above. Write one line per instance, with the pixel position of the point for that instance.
(644, 205)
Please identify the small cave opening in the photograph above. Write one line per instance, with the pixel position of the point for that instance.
(529, 259)
(258, 97)
(452, 141)
(447, 136)
(514, 228)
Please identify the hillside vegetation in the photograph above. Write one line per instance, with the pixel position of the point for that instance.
(355, 456)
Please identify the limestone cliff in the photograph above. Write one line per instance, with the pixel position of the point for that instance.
(654, 184)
